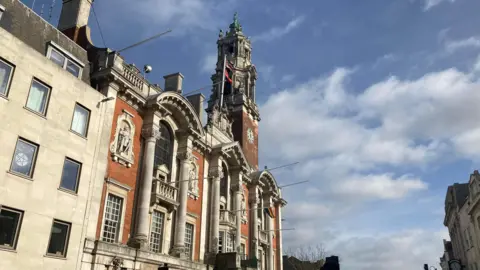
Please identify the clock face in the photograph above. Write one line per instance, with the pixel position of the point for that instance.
(250, 135)
(455, 266)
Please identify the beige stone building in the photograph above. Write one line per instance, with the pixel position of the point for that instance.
(54, 144)
(461, 218)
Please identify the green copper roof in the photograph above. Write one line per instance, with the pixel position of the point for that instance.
(235, 25)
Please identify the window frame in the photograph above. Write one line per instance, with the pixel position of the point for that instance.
(79, 173)
(192, 242)
(47, 99)
(10, 77)
(17, 229)
(67, 240)
(119, 235)
(162, 231)
(88, 120)
(34, 159)
(68, 57)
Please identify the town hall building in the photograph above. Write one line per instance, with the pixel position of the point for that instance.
(168, 192)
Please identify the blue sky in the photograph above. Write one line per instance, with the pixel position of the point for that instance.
(377, 100)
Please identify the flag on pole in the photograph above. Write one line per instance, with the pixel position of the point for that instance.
(228, 69)
(270, 211)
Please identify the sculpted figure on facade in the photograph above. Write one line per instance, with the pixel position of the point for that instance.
(220, 118)
(193, 181)
(122, 146)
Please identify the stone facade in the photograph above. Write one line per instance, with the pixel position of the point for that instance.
(53, 209)
(157, 189)
(460, 213)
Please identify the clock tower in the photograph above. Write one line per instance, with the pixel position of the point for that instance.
(233, 93)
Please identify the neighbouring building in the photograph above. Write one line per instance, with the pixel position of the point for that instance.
(447, 255)
(459, 206)
(54, 144)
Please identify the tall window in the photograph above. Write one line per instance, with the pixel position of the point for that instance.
(243, 249)
(38, 97)
(189, 240)
(163, 147)
(24, 158)
(10, 221)
(113, 215)
(229, 242)
(70, 175)
(59, 235)
(81, 116)
(224, 181)
(6, 71)
(221, 237)
(156, 235)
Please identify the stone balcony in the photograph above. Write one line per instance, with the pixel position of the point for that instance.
(164, 194)
(263, 236)
(227, 218)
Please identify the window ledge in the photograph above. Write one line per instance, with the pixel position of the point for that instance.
(78, 134)
(35, 112)
(4, 97)
(19, 175)
(54, 257)
(8, 249)
(68, 191)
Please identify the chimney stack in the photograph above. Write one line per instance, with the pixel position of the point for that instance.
(74, 17)
(173, 82)
(197, 101)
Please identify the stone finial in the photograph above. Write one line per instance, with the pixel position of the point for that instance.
(235, 26)
(475, 172)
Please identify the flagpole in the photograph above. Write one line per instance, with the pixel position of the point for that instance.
(223, 79)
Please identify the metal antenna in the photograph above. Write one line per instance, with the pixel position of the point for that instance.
(51, 11)
(143, 41)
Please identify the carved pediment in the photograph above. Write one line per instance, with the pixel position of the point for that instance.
(221, 119)
(162, 172)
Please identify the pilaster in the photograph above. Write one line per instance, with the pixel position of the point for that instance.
(237, 187)
(254, 233)
(216, 174)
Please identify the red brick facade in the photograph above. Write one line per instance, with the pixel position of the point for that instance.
(195, 206)
(245, 227)
(122, 174)
(241, 123)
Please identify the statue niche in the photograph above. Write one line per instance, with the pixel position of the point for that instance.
(122, 146)
(193, 182)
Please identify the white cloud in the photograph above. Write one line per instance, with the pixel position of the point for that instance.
(208, 63)
(380, 186)
(432, 3)
(278, 32)
(359, 146)
(452, 46)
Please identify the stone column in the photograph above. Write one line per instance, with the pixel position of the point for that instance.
(238, 191)
(253, 214)
(150, 134)
(185, 156)
(216, 175)
(267, 203)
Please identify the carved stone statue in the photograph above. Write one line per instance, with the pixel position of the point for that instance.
(244, 205)
(121, 147)
(193, 183)
(124, 141)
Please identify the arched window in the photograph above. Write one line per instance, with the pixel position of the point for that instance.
(164, 147)
(224, 181)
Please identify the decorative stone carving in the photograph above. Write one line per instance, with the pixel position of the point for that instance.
(216, 173)
(221, 119)
(185, 156)
(193, 182)
(122, 146)
(117, 262)
(244, 208)
(151, 132)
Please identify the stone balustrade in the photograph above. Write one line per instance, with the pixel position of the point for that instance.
(228, 218)
(164, 194)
